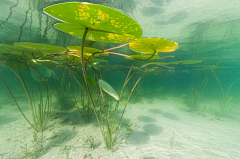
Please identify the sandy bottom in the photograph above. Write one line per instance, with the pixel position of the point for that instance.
(151, 129)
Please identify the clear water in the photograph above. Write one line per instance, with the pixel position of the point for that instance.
(206, 30)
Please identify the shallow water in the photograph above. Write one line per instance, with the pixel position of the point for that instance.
(189, 110)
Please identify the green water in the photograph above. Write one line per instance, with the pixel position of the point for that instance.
(43, 92)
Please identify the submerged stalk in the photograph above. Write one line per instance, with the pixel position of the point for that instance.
(88, 89)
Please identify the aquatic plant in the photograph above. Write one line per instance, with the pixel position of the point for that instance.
(37, 149)
(84, 106)
(196, 94)
(90, 142)
(40, 112)
(224, 98)
(104, 24)
(87, 106)
(61, 90)
(19, 58)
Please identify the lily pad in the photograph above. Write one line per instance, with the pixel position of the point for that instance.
(88, 51)
(149, 45)
(39, 49)
(15, 64)
(48, 63)
(10, 50)
(142, 57)
(108, 89)
(103, 23)
(76, 57)
(91, 81)
(70, 56)
(98, 60)
(43, 70)
(186, 62)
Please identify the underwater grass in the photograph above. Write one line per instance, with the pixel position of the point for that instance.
(61, 90)
(224, 99)
(40, 112)
(196, 94)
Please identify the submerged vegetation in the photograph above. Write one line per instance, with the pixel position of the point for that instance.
(225, 101)
(104, 24)
(196, 93)
(77, 73)
(101, 24)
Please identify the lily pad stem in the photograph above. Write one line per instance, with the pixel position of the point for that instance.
(88, 89)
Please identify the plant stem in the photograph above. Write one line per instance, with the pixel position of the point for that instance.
(88, 89)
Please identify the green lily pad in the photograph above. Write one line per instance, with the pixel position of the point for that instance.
(91, 81)
(186, 62)
(46, 73)
(76, 57)
(142, 57)
(10, 50)
(14, 64)
(104, 24)
(70, 56)
(108, 89)
(48, 63)
(39, 49)
(98, 60)
(88, 51)
(149, 45)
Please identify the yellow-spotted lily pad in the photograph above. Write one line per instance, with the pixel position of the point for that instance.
(103, 23)
(186, 62)
(142, 57)
(151, 45)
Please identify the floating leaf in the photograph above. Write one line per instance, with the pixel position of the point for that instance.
(37, 50)
(142, 57)
(87, 51)
(108, 89)
(14, 64)
(42, 70)
(71, 56)
(186, 62)
(98, 60)
(149, 45)
(48, 63)
(10, 50)
(104, 24)
(75, 57)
